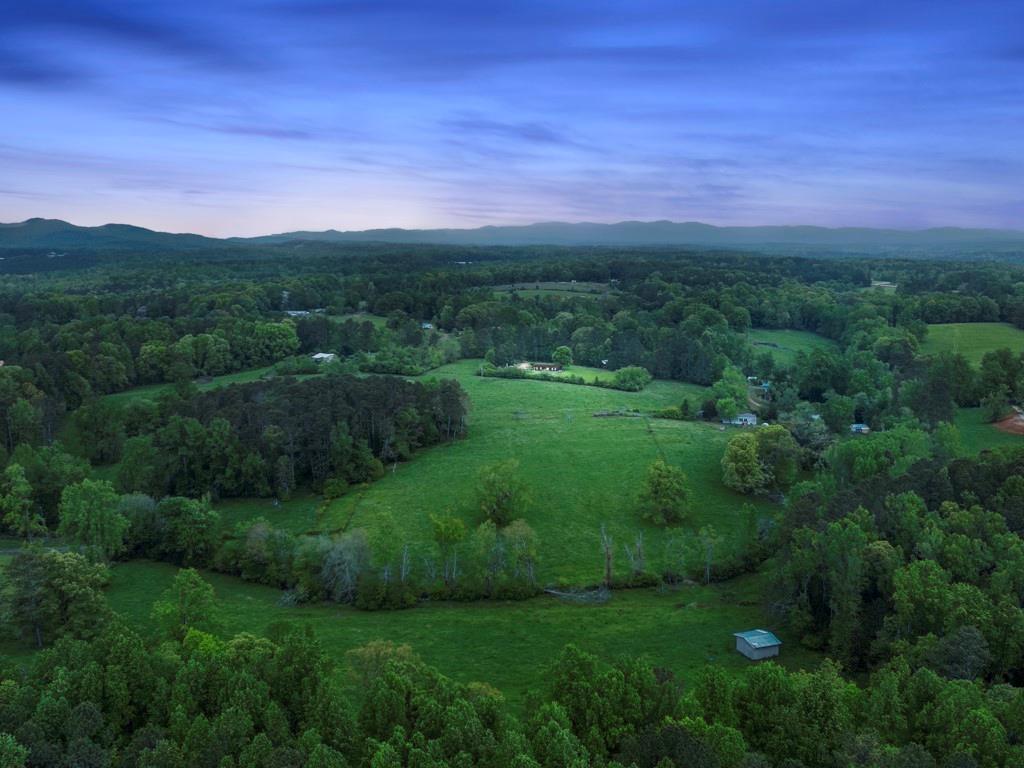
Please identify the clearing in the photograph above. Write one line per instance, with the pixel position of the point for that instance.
(506, 644)
(785, 345)
(972, 340)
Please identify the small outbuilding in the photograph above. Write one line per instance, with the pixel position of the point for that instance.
(757, 644)
(546, 367)
(324, 357)
(860, 429)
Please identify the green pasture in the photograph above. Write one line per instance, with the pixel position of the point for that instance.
(582, 471)
(506, 644)
(150, 391)
(977, 435)
(784, 345)
(972, 340)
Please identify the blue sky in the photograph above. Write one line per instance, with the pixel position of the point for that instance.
(251, 117)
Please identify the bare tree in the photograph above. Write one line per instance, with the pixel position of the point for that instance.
(608, 546)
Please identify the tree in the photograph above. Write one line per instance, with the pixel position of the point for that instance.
(89, 517)
(16, 503)
(665, 495)
(449, 531)
(12, 754)
(632, 378)
(51, 594)
(189, 603)
(501, 495)
(730, 392)
(562, 355)
(741, 466)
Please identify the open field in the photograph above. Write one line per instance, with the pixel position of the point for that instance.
(151, 391)
(564, 289)
(361, 317)
(506, 644)
(972, 340)
(784, 345)
(977, 435)
(582, 471)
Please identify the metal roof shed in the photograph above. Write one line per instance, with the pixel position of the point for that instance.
(757, 644)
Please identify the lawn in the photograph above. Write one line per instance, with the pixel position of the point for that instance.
(784, 345)
(379, 321)
(506, 644)
(976, 434)
(582, 471)
(151, 391)
(972, 340)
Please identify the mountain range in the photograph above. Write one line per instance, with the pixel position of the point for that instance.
(57, 234)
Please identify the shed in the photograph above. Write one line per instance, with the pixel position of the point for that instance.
(757, 644)
(860, 429)
(324, 357)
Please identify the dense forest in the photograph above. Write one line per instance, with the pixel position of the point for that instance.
(138, 393)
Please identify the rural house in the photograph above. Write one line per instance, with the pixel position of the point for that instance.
(742, 420)
(757, 644)
(324, 357)
(860, 429)
(546, 367)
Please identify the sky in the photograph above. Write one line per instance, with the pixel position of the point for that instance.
(244, 118)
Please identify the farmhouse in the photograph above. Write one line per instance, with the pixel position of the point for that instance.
(757, 644)
(546, 366)
(860, 429)
(742, 420)
(324, 357)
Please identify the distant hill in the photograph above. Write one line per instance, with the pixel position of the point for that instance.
(663, 233)
(56, 234)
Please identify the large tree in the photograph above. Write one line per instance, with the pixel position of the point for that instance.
(665, 496)
(501, 494)
(51, 594)
(89, 517)
(19, 510)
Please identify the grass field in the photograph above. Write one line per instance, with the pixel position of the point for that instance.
(582, 471)
(563, 289)
(151, 391)
(972, 340)
(784, 345)
(360, 317)
(506, 644)
(976, 435)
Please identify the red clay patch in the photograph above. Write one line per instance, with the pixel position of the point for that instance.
(1013, 424)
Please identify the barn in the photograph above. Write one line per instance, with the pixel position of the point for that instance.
(757, 644)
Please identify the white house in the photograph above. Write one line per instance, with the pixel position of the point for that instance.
(860, 429)
(324, 357)
(757, 644)
(742, 420)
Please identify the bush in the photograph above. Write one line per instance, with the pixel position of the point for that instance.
(632, 378)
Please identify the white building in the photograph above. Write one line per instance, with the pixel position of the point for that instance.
(742, 420)
(324, 357)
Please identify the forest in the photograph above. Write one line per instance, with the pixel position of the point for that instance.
(321, 466)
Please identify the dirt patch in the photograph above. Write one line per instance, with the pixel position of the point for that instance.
(1014, 424)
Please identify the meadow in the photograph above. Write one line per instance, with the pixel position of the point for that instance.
(581, 471)
(977, 435)
(506, 644)
(784, 345)
(972, 340)
(151, 391)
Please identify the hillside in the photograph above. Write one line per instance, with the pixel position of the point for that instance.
(54, 233)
